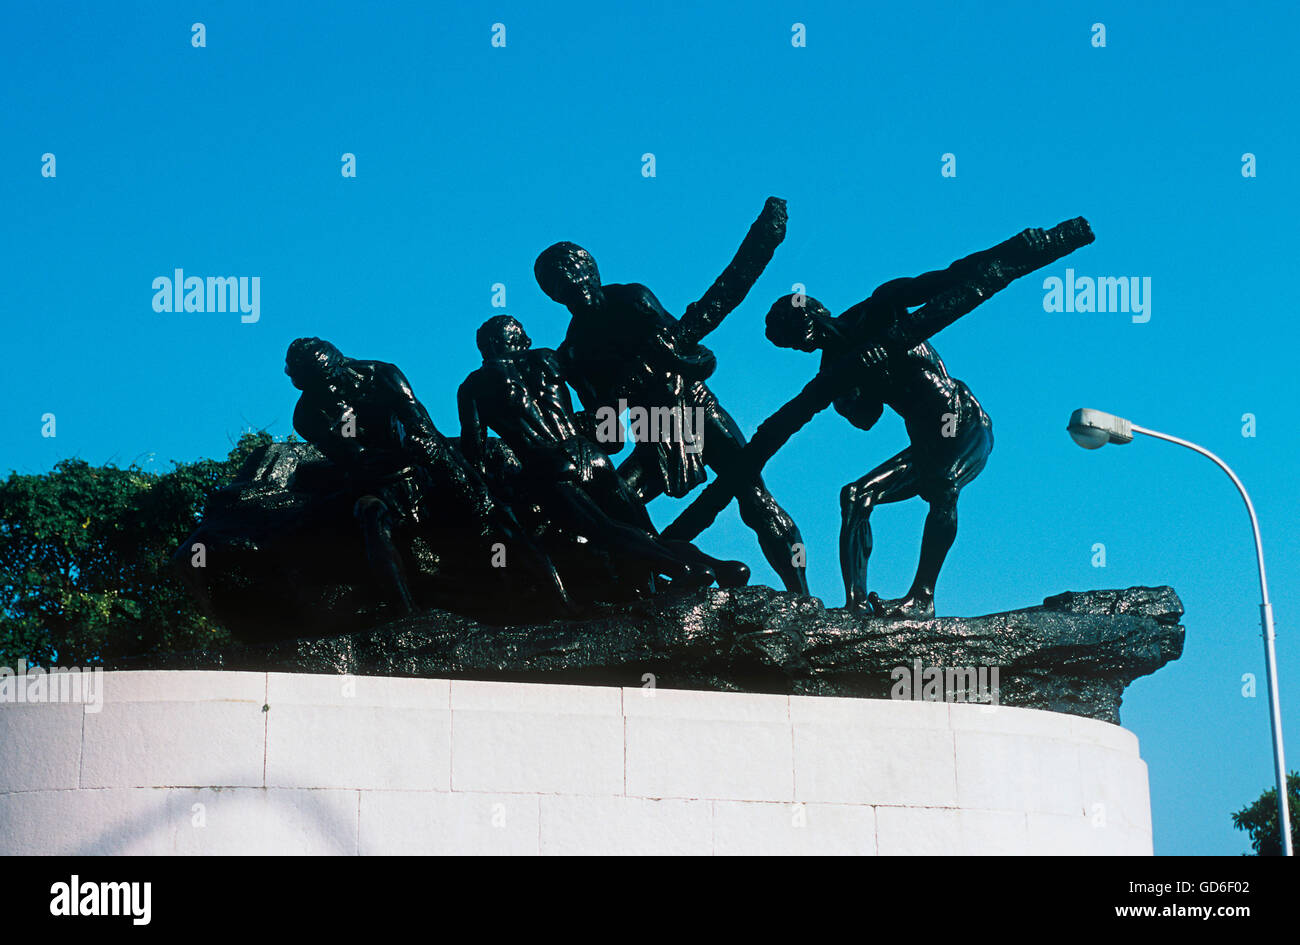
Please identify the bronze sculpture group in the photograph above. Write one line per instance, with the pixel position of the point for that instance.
(546, 491)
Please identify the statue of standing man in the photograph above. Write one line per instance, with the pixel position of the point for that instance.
(880, 356)
(623, 346)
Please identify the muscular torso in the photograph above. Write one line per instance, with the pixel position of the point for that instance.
(628, 348)
(390, 427)
(525, 400)
(916, 385)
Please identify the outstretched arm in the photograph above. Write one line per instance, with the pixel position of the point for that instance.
(1031, 249)
(473, 433)
(1013, 252)
(990, 272)
(424, 440)
(730, 288)
(945, 295)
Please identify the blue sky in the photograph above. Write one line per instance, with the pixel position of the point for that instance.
(225, 160)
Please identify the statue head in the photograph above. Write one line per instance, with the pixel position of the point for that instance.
(501, 336)
(309, 360)
(567, 273)
(798, 321)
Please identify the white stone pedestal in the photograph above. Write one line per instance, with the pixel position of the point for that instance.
(269, 763)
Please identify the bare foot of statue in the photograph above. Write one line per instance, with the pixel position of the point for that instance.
(693, 578)
(857, 600)
(731, 573)
(876, 354)
(912, 607)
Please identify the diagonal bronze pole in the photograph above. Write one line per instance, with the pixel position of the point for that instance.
(1009, 260)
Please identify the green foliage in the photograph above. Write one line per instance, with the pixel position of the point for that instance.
(84, 556)
(1260, 818)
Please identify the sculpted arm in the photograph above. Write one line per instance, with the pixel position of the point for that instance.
(730, 288)
(588, 423)
(422, 438)
(473, 432)
(315, 425)
(567, 362)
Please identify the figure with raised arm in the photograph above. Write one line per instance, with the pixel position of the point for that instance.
(878, 355)
(623, 348)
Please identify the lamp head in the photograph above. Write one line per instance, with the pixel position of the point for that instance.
(1093, 429)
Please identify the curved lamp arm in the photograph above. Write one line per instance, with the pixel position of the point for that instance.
(1266, 623)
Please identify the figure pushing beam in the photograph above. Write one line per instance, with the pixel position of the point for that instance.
(876, 354)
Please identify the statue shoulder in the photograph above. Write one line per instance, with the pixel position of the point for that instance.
(637, 297)
(385, 378)
(869, 320)
(383, 370)
(311, 418)
(547, 358)
(304, 412)
(473, 380)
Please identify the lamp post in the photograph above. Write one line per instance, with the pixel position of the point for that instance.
(1093, 429)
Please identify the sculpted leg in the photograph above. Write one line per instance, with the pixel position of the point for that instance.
(626, 541)
(494, 521)
(855, 542)
(641, 482)
(729, 573)
(537, 562)
(376, 523)
(616, 499)
(943, 482)
(892, 481)
(936, 539)
(777, 534)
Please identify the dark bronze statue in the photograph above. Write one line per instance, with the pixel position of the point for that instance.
(874, 355)
(435, 515)
(951, 435)
(364, 417)
(623, 348)
(521, 394)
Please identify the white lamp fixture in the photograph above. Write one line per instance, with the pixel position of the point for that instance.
(1093, 429)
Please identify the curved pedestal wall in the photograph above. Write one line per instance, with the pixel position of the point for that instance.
(268, 763)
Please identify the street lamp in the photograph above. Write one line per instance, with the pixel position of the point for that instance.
(1093, 429)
